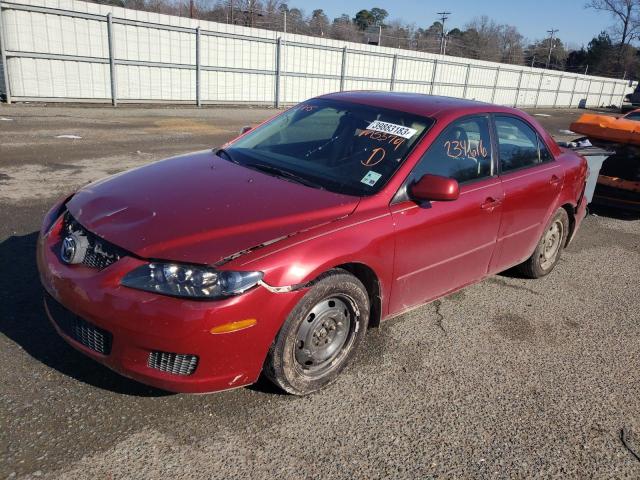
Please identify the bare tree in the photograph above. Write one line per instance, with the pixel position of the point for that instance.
(318, 23)
(511, 45)
(627, 14)
(429, 39)
(481, 39)
(344, 29)
(399, 35)
(538, 52)
(485, 41)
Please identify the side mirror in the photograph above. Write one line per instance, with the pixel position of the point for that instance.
(245, 129)
(434, 187)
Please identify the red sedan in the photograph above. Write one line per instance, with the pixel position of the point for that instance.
(275, 253)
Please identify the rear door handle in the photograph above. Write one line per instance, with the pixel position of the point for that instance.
(490, 203)
(555, 180)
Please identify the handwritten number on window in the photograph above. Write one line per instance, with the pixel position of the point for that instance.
(388, 138)
(463, 149)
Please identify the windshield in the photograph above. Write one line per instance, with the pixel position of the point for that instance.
(339, 146)
(633, 116)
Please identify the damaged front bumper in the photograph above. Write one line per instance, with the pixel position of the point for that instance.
(145, 336)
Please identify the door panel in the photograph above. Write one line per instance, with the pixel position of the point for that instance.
(531, 180)
(529, 196)
(444, 245)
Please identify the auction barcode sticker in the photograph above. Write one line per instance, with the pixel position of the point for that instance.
(392, 129)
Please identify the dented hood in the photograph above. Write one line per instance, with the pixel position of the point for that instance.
(200, 208)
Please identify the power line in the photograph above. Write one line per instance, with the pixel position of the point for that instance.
(444, 16)
(551, 32)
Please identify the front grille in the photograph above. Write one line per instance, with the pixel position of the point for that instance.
(80, 330)
(100, 253)
(175, 363)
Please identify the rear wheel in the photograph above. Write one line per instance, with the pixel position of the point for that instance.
(547, 253)
(320, 335)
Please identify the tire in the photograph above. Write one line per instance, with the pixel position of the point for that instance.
(321, 334)
(549, 248)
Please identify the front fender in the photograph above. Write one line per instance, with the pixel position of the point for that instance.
(365, 238)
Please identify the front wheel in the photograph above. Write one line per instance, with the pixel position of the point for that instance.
(547, 253)
(320, 335)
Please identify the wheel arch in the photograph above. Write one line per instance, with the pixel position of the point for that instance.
(571, 213)
(370, 280)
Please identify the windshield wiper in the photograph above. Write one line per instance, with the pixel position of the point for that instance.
(287, 175)
(224, 152)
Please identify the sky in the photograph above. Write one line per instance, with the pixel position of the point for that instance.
(533, 18)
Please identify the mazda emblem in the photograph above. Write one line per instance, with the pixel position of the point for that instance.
(68, 250)
(74, 248)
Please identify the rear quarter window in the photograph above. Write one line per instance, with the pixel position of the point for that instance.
(519, 145)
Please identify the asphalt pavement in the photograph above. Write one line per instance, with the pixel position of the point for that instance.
(509, 378)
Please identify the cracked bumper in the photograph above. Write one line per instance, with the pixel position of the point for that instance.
(141, 322)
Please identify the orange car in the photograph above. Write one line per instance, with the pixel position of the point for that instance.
(619, 179)
(624, 129)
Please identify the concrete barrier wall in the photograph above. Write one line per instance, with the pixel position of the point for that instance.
(69, 50)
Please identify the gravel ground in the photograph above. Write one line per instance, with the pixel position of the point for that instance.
(509, 378)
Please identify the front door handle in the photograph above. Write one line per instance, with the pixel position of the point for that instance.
(489, 204)
(555, 180)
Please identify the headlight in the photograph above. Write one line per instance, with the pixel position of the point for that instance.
(55, 212)
(190, 280)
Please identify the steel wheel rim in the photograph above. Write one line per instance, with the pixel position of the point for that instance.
(552, 241)
(325, 335)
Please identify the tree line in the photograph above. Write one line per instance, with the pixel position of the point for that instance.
(611, 53)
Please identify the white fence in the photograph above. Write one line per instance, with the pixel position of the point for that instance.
(69, 50)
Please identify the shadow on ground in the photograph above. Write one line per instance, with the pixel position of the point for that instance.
(24, 321)
(616, 213)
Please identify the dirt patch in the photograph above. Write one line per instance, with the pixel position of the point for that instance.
(31, 182)
(456, 297)
(515, 327)
(182, 126)
(504, 283)
(571, 323)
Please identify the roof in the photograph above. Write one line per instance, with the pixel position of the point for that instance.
(416, 103)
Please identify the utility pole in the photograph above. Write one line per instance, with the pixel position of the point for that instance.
(533, 60)
(443, 16)
(379, 35)
(551, 32)
(190, 8)
(284, 11)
